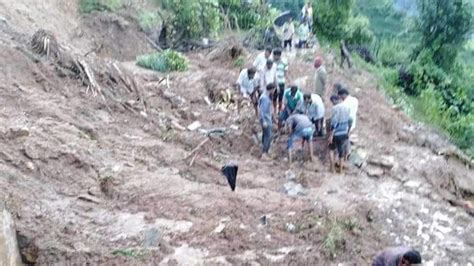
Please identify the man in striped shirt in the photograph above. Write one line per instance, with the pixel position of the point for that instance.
(341, 123)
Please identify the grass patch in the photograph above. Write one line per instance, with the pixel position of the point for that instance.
(239, 62)
(130, 253)
(336, 229)
(148, 20)
(165, 61)
(87, 6)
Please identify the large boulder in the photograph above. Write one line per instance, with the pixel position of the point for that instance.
(9, 253)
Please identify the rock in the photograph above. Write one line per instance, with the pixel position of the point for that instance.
(289, 175)
(234, 127)
(184, 113)
(194, 126)
(383, 161)
(219, 229)
(356, 159)
(28, 249)
(30, 166)
(374, 171)
(263, 220)
(89, 198)
(290, 228)
(18, 132)
(152, 236)
(9, 252)
(412, 184)
(294, 189)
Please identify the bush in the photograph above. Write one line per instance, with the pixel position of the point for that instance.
(87, 6)
(193, 19)
(330, 18)
(391, 53)
(148, 20)
(357, 30)
(165, 61)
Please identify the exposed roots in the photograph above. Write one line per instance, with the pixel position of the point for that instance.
(44, 43)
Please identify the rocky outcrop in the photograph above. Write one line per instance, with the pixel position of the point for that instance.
(9, 254)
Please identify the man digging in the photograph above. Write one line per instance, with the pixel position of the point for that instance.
(299, 127)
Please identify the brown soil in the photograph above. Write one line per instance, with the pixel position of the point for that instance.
(90, 180)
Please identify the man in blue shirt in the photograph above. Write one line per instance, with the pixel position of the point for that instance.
(265, 106)
(341, 123)
(300, 127)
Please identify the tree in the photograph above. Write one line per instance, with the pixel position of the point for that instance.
(444, 26)
(330, 18)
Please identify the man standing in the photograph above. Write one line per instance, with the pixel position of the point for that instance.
(265, 106)
(351, 102)
(339, 133)
(267, 75)
(303, 35)
(288, 32)
(320, 77)
(299, 127)
(247, 84)
(291, 100)
(345, 55)
(282, 77)
(397, 256)
(314, 109)
(262, 58)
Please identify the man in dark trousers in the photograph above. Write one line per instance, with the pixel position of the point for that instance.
(345, 55)
(397, 256)
(265, 107)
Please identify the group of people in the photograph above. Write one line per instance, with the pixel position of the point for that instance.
(302, 32)
(300, 114)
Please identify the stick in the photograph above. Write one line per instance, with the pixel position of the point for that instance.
(152, 43)
(194, 158)
(198, 147)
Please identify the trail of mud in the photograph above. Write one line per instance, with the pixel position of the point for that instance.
(89, 185)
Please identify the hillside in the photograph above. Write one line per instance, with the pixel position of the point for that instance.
(103, 173)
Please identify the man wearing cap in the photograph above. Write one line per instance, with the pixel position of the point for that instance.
(299, 127)
(320, 77)
(292, 99)
(397, 256)
(247, 84)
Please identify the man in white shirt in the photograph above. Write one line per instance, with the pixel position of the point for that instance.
(262, 58)
(268, 75)
(247, 85)
(352, 103)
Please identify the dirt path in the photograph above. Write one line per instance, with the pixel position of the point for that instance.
(89, 185)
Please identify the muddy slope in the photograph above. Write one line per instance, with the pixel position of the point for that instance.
(94, 181)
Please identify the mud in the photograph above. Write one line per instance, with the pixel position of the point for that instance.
(112, 186)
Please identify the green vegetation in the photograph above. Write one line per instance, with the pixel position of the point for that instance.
(131, 253)
(239, 62)
(193, 19)
(334, 239)
(87, 6)
(331, 17)
(148, 20)
(426, 65)
(165, 61)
